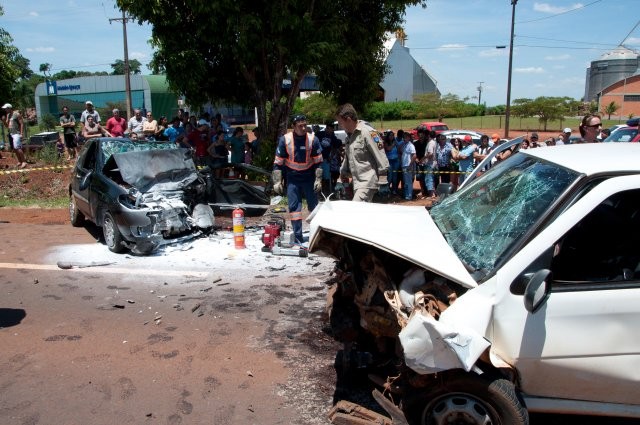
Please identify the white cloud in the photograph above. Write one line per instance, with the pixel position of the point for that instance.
(530, 70)
(491, 53)
(452, 47)
(551, 9)
(137, 55)
(634, 41)
(36, 14)
(557, 58)
(41, 49)
(559, 67)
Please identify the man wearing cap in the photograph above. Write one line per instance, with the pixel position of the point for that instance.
(116, 125)
(495, 140)
(364, 157)
(466, 157)
(298, 159)
(565, 138)
(136, 123)
(89, 111)
(14, 122)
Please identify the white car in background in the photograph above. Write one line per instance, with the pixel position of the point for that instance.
(518, 293)
(452, 134)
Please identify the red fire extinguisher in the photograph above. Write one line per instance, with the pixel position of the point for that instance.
(238, 228)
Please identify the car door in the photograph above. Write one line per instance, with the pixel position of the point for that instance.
(84, 172)
(582, 343)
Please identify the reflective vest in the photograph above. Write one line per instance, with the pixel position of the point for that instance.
(290, 161)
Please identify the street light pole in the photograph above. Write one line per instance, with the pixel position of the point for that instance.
(127, 77)
(508, 108)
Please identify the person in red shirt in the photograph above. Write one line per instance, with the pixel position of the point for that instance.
(199, 139)
(116, 125)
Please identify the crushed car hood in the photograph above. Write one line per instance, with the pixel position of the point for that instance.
(156, 170)
(408, 232)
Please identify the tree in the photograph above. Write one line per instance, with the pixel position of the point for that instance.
(13, 66)
(610, 109)
(45, 68)
(257, 52)
(118, 67)
(545, 108)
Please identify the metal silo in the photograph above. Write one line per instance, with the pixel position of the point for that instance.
(610, 68)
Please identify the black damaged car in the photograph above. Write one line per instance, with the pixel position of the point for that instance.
(145, 194)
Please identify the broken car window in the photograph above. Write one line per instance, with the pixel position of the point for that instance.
(490, 214)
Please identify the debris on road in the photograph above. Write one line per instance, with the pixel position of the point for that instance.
(120, 306)
(195, 307)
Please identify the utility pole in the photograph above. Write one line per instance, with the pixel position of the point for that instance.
(480, 91)
(127, 80)
(507, 114)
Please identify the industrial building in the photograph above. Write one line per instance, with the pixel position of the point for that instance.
(615, 77)
(149, 92)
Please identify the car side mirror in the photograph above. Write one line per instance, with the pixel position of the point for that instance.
(537, 290)
(84, 182)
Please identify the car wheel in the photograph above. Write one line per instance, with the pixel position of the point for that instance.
(75, 216)
(474, 400)
(112, 236)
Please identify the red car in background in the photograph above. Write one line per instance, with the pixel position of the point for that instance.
(436, 126)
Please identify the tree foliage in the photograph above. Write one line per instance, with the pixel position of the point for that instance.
(13, 66)
(610, 108)
(241, 51)
(118, 67)
(545, 108)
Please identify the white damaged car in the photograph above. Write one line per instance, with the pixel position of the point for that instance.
(519, 293)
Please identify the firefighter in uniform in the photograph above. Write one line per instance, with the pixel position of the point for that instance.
(364, 157)
(299, 156)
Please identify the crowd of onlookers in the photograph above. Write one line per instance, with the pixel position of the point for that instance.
(432, 158)
(212, 141)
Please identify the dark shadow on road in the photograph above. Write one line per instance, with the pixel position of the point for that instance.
(11, 317)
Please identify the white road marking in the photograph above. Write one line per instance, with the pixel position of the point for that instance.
(105, 269)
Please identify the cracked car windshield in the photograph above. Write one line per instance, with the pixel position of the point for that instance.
(484, 219)
(109, 147)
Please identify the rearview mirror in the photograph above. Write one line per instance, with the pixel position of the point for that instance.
(537, 290)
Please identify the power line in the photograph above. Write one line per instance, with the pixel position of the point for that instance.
(565, 41)
(558, 14)
(632, 29)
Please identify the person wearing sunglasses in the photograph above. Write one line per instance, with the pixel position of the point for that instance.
(590, 127)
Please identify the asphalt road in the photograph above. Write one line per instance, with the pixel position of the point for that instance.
(196, 334)
(204, 335)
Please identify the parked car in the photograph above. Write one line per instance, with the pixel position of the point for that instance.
(146, 194)
(518, 293)
(341, 134)
(627, 133)
(436, 126)
(451, 134)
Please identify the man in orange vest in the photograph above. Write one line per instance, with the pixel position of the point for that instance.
(299, 156)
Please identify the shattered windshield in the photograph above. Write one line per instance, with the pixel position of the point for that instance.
(111, 146)
(481, 221)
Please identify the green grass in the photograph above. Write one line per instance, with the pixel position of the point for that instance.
(35, 203)
(493, 122)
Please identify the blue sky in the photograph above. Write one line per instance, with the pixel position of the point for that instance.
(454, 40)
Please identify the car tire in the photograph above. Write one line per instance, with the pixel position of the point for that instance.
(472, 399)
(112, 236)
(75, 216)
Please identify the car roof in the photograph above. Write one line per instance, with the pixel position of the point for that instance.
(592, 158)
